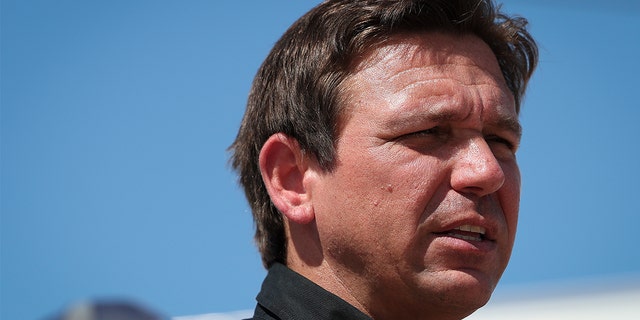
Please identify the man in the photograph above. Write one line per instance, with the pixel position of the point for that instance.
(378, 155)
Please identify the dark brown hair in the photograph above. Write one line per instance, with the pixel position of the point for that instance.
(296, 90)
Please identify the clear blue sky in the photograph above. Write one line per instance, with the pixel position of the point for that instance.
(116, 116)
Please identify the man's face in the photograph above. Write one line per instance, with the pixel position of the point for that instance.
(420, 213)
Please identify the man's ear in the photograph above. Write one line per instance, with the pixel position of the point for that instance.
(283, 167)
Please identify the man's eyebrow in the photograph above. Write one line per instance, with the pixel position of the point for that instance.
(509, 124)
(504, 122)
(431, 116)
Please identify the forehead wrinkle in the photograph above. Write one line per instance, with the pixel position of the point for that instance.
(443, 80)
(482, 78)
(435, 61)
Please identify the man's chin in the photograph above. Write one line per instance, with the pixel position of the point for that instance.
(462, 289)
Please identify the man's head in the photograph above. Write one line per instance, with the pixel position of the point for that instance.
(378, 151)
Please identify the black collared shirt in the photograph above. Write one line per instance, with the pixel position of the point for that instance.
(286, 295)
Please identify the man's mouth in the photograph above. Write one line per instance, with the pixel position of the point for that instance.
(467, 232)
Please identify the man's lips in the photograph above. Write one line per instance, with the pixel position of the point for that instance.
(466, 232)
(470, 238)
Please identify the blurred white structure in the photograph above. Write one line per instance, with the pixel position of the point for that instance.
(611, 299)
(620, 302)
(237, 315)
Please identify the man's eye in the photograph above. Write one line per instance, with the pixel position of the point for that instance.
(501, 142)
(427, 132)
(424, 141)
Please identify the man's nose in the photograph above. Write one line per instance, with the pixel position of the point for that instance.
(476, 169)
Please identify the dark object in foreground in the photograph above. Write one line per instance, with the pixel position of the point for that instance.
(107, 310)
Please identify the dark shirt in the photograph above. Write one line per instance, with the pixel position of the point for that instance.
(286, 295)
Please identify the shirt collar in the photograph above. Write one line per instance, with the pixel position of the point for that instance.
(289, 295)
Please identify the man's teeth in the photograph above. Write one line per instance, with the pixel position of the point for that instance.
(469, 228)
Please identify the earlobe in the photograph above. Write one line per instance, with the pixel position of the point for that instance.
(283, 167)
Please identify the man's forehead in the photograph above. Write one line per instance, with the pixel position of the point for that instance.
(435, 48)
(437, 57)
(430, 71)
